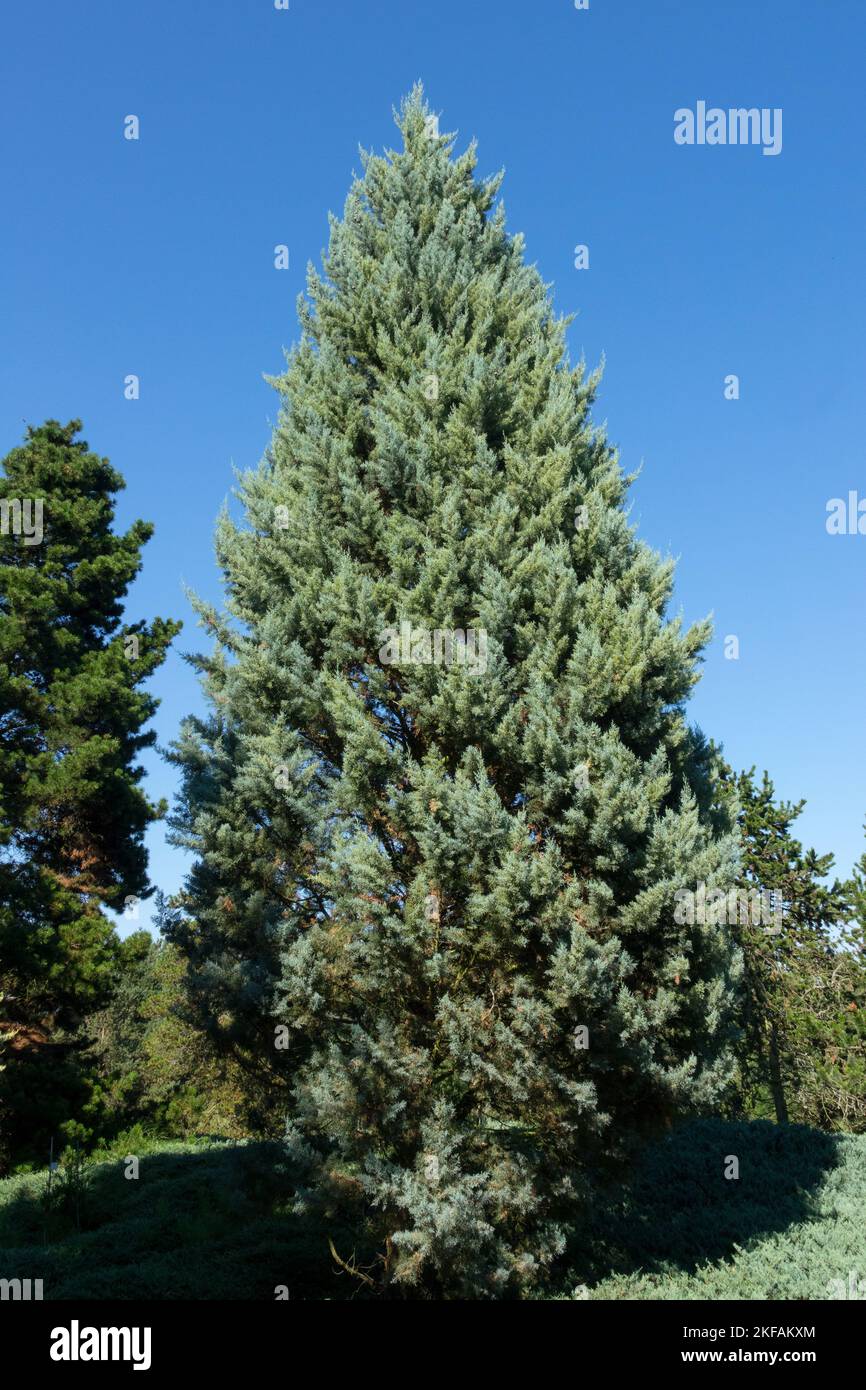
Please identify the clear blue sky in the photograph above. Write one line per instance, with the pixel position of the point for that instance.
(156, 258)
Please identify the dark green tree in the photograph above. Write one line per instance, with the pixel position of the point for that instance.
(804, 994)
(152, 1067)
(72, 716)
(447, 777)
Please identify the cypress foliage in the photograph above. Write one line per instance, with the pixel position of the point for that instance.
(72, 712)
(447, 793)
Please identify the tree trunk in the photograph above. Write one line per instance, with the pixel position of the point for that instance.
(776, 1086)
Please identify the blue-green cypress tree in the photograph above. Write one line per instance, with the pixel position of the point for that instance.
(447, 793)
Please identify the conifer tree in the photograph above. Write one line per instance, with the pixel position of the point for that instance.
(804, 981)
(447, 789)
(72, 714)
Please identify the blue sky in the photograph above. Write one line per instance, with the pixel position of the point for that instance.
(156, 258)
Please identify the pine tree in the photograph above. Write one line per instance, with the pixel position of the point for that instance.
(447, 781)
(804, 995)
(72, 712)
